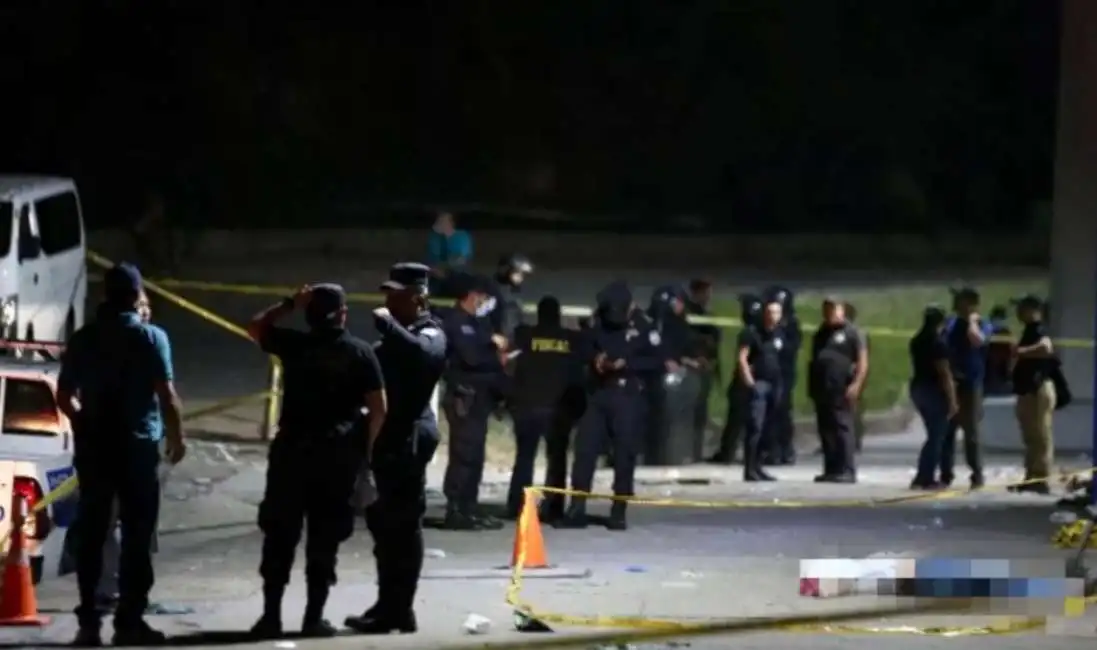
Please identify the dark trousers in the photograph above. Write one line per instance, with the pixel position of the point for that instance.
(932, 407)
(612, 414)
(126, 472)
(700, 412)
(970, 400)
(784, 431)
(834, 418)
(309, 486)
(761, 405)
(467, 416)
(733, 425)
(530, 427)
(395, 520)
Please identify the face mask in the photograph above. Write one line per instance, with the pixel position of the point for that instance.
(486, 307)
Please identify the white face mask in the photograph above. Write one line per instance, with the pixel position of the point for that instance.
(486, 307)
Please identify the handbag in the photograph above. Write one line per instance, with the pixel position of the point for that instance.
(1063, 396)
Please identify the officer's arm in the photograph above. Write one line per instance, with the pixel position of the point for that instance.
(746, 339)
(262, 329)
(164, 384)
(497, 316)
(1040, 349)
(861, 370)
(429, 342)
(372, 384)
(68, 383)
(472, 351)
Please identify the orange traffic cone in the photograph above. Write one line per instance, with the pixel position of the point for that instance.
(18, 603)
(528, 540)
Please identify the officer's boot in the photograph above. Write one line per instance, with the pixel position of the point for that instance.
(314, 624)
(552, 509)
(617, 519)
(459, 518)
(269, 625)
(484, 520)
(575, 516)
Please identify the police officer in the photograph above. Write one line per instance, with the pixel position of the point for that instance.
(412, 353)
(667, 316)
(505, 291)
(474, 374)
(762, 386)
(967, 336)
(836, 377)
(117, 388)
(750, 313)
(544, 369)
(618, 351)
(783, 451)
(330, 377)
(707, 338)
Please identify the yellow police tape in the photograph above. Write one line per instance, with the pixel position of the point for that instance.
(569, 310)
(1072, 606)
(1072, 536)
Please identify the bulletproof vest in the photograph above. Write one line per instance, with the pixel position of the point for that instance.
(834, 358)
(545, 368)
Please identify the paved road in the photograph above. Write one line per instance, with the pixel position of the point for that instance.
(675, 562)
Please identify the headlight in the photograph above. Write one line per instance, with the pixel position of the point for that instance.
(8, 312)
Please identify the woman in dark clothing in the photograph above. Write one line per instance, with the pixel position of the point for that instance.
(933, 392)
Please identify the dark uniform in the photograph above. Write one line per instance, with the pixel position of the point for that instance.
(783, 449)
(314, 460)
(707, 338)
(677, 343)
(543, 371)
(473, 379)
(614, 404)
(113, 365)
(834, 354)
(412, 357)
(762, 401)
(506, 293)
(750, 312)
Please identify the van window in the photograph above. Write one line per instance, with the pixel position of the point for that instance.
(58, 223)
(7, 225)
(30, 408)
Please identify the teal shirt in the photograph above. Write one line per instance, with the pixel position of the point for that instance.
(114, 365)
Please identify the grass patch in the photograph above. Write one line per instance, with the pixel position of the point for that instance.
(890, 315)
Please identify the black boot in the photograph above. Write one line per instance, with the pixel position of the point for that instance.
(551, 510)
(137, 634)
(88, 636)
(458, 518)
(377, 621)
(314, 625)
(617, 520)
(484, 520)
(575, 516)
(269, 625)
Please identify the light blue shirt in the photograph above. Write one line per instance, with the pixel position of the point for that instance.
(442, 250)
(113, 365)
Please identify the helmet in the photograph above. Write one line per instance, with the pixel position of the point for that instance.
(515, 262)
(750, 308)
(780, 295)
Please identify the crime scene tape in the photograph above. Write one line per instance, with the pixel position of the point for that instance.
(514, 587)
(573, 311)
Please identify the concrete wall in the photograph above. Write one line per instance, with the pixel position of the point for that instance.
(552, 250)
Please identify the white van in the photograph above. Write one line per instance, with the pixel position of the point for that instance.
(43, 272)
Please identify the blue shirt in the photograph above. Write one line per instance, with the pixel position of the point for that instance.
(968, 361)
(113, 366)
(447, 250)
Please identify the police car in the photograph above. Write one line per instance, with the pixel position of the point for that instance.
(36, 451)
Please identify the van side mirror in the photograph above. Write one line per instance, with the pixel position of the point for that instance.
(29, 248)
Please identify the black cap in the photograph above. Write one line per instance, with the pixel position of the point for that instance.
(966, 292)
(462, 283)
(122, 282)
(407, 275)
(326, 300)
(1029, 301)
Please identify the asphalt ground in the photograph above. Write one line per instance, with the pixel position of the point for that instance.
(680, 563)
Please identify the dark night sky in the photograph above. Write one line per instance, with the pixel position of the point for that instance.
(902, 115)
